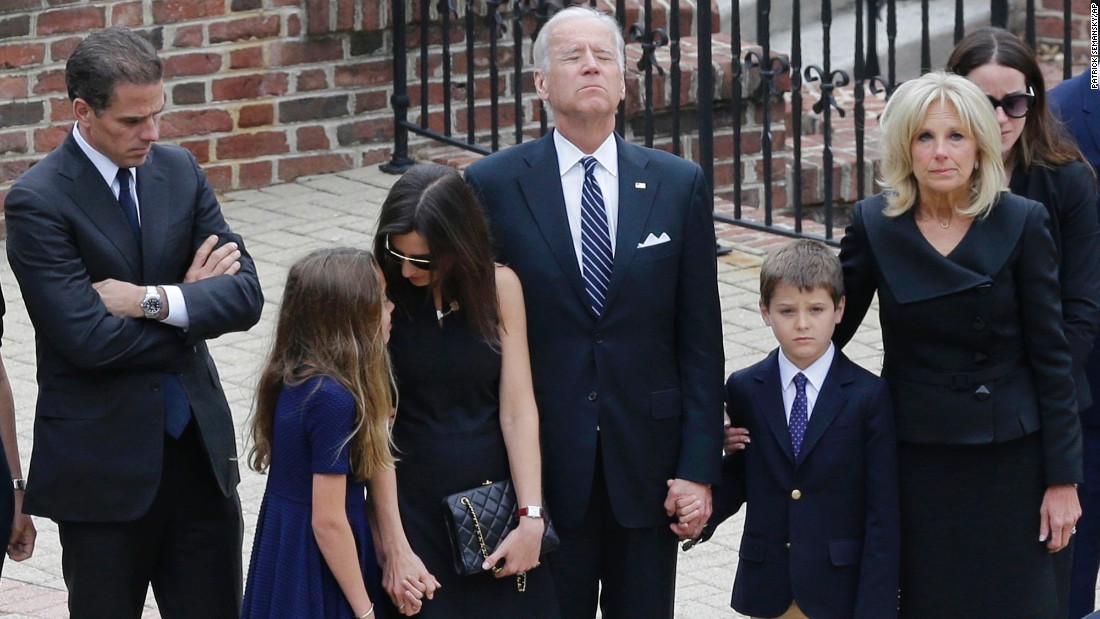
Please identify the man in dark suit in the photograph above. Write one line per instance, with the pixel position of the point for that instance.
(614, 245)
(1078, 106)
(125, 278)
(820, 477)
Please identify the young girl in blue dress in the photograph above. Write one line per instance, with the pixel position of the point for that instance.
(321, 429)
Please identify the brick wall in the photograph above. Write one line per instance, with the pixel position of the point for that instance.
(261, 91)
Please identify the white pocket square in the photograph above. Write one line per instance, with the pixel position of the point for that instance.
(652, 240)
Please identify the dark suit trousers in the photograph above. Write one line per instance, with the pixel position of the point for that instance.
(636, 567)
(188, 546)
(1086, 544)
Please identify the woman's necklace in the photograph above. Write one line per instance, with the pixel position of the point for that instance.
(944, 223)
(439, 314)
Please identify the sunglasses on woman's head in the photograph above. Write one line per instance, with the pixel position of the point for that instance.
(422, 261)
(1015, 106)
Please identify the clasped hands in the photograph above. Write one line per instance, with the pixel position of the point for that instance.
(123, 299)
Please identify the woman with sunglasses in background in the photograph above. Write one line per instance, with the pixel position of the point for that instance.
(466, 410)
(1043, 164)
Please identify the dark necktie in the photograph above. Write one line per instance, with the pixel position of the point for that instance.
(799, 413)
(595, 238)
(126, 201)
(177, 410)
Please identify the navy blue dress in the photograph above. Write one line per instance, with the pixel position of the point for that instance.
(448, 437)
(288, 576)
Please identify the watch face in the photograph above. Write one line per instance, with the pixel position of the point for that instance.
(151, 306)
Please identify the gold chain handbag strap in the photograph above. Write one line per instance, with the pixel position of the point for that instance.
(521, 578)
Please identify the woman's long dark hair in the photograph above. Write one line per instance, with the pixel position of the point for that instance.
(435, 202)
(1044, 140)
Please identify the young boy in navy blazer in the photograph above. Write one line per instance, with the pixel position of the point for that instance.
(819, 478)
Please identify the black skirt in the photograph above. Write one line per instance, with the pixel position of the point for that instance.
(970, 531)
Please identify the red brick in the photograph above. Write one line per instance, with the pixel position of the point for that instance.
(61, 109)
(312, 138)
(371, 101)
(21, 55)
(316, 50)
(49, 138)
(199, 148)
(13, 142)
(378, 155)
(364, 131)
(245, 5)
(256, 115)
(19, 113)
(318, 16)
(126, 14)
(188, 36)
(246, 58)
(13, 87)
(189, 123)
(192, 64)
(293, 25)
(371, 73)
(16, 26)
(251, 145)
(220, 177)
(254, 174)
(50, 82)
(172, 11)
(292, 168)
(313, 108)
(15, 5)
(259, 27)
(63, 48)
(12, 169)
(250, 86)
(75, 19)
(312, 79)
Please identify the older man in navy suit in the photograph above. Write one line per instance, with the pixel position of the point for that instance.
(1078, 105)
(614, 244)
(127, 267)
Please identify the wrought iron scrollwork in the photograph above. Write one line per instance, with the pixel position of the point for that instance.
(836, 79)
(774, 67)
(650, 42)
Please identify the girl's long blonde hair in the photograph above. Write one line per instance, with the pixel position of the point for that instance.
(330, 324)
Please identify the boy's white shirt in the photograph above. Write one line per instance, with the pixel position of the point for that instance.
(815, 378)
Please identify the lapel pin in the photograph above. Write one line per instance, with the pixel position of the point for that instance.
(639, 185)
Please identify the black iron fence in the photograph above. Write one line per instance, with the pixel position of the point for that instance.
(699, 88)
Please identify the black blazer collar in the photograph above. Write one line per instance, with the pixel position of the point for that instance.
(904, 255)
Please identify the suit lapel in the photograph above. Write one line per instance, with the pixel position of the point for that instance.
(93, 196)
(547, 205)
(830, 400)
(637, 189)
(152, 189)
(769, 399)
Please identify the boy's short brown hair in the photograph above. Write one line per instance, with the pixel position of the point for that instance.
(804, 264)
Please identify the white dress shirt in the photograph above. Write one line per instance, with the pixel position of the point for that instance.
(815, 378)
(177, 307)
(572, 180)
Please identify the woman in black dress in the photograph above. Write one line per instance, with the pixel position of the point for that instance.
(1043, 164)
(975, 356)
(466, 409)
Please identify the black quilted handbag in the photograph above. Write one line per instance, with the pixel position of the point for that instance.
(479, 518)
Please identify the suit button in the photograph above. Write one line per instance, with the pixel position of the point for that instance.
(599, 338)
(982, 394)
(796, 494)
(788, 544)
(154, 386)
(978, 324)
(592, 396)
(985, 288)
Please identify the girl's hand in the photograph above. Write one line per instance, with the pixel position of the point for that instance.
(519, 549)
(408, 582)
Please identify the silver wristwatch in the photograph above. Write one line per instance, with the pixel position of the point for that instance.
(151, 305)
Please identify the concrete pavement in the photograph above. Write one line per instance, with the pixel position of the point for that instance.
(280, 224)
